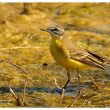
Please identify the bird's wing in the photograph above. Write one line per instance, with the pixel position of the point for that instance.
(86, 57)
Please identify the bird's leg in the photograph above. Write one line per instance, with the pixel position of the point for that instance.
(78, 94)
(79, 81)
(67, 82)
(95, 83)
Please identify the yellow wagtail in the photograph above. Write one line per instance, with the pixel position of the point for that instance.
(71, 57)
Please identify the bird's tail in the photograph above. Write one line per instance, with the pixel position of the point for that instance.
(104, 61)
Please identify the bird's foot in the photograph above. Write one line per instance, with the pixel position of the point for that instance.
(95, 84)
(62, 94)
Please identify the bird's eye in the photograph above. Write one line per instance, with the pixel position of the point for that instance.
(55, 29)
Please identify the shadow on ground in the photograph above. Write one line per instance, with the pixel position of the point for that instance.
(70, 90)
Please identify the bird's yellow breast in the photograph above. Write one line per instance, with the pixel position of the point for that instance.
(61, 56)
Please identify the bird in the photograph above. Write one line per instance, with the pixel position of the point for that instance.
(70, 56)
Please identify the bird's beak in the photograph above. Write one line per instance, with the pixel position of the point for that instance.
(43, 29)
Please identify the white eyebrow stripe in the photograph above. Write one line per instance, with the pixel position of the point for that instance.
(60, 29)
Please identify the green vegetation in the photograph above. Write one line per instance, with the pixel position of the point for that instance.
(22, 42)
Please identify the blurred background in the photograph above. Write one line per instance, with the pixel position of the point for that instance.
(22, 42)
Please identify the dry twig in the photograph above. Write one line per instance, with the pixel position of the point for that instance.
(25, 83)
(16, 96)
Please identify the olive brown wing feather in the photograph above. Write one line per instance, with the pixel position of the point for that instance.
(82, 55)
(87, 57)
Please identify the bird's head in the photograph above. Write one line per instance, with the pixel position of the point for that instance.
(55, 32)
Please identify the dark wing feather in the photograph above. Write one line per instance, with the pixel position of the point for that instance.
(104, 60)
(87, 58)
